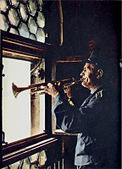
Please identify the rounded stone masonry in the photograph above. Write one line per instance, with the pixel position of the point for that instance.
(23, 30)
(3, 22)
(14, 165)
(32, 25)
(23, 12)
(32, 7)
(25, 163)
(14, 2)
(24, 18)
(32, 36)
(40, 35)
(3, 5)
(42, 158)
(40, 3)
(14, 31)
(40, 20)
(13, 17)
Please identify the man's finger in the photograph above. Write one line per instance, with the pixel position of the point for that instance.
(50, 85)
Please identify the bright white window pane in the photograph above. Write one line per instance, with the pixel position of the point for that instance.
(42, 113)
(16, 122)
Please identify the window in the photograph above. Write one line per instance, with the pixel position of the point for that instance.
(23, 115)
(15, 111)
(23, 63)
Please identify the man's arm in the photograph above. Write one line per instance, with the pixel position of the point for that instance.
(76, 120)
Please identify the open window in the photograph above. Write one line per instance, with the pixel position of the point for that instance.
(26, 118)
(16, 119)
(23, 110)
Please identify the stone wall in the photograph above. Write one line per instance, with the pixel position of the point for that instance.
(23, 17)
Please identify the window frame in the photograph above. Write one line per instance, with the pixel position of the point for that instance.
(29, 50)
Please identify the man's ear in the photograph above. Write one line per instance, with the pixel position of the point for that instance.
(99, 73)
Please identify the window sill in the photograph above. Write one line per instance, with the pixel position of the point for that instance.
(27, 151)
(62, 133)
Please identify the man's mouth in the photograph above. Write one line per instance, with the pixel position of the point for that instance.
(82, 79)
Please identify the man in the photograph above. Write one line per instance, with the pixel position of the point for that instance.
(95, 121)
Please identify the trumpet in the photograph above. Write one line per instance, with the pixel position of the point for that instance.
(41, 86)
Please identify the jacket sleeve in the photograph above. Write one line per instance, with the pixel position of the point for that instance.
(76, 120)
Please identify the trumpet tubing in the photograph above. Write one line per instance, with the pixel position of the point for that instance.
(40, 86)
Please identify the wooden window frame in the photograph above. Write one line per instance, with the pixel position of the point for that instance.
(17, 47)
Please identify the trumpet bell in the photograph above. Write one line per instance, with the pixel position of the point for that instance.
(15, 90)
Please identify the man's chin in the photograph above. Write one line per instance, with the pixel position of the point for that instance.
(84, 84)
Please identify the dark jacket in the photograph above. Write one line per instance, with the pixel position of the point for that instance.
(96, 123)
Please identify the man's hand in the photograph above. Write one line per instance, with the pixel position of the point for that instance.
(51, 90)
(68, 91)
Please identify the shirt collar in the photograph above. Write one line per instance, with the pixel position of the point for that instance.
(95, 89)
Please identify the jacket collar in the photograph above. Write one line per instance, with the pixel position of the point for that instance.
(96, 89)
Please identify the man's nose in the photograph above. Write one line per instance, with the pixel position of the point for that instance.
(82, 73)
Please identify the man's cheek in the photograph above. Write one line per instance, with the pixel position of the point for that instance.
(90, 76)
(85, 83)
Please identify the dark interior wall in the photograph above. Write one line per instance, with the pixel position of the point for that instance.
(84, 21)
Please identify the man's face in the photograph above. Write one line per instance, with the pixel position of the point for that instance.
(89, 76)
